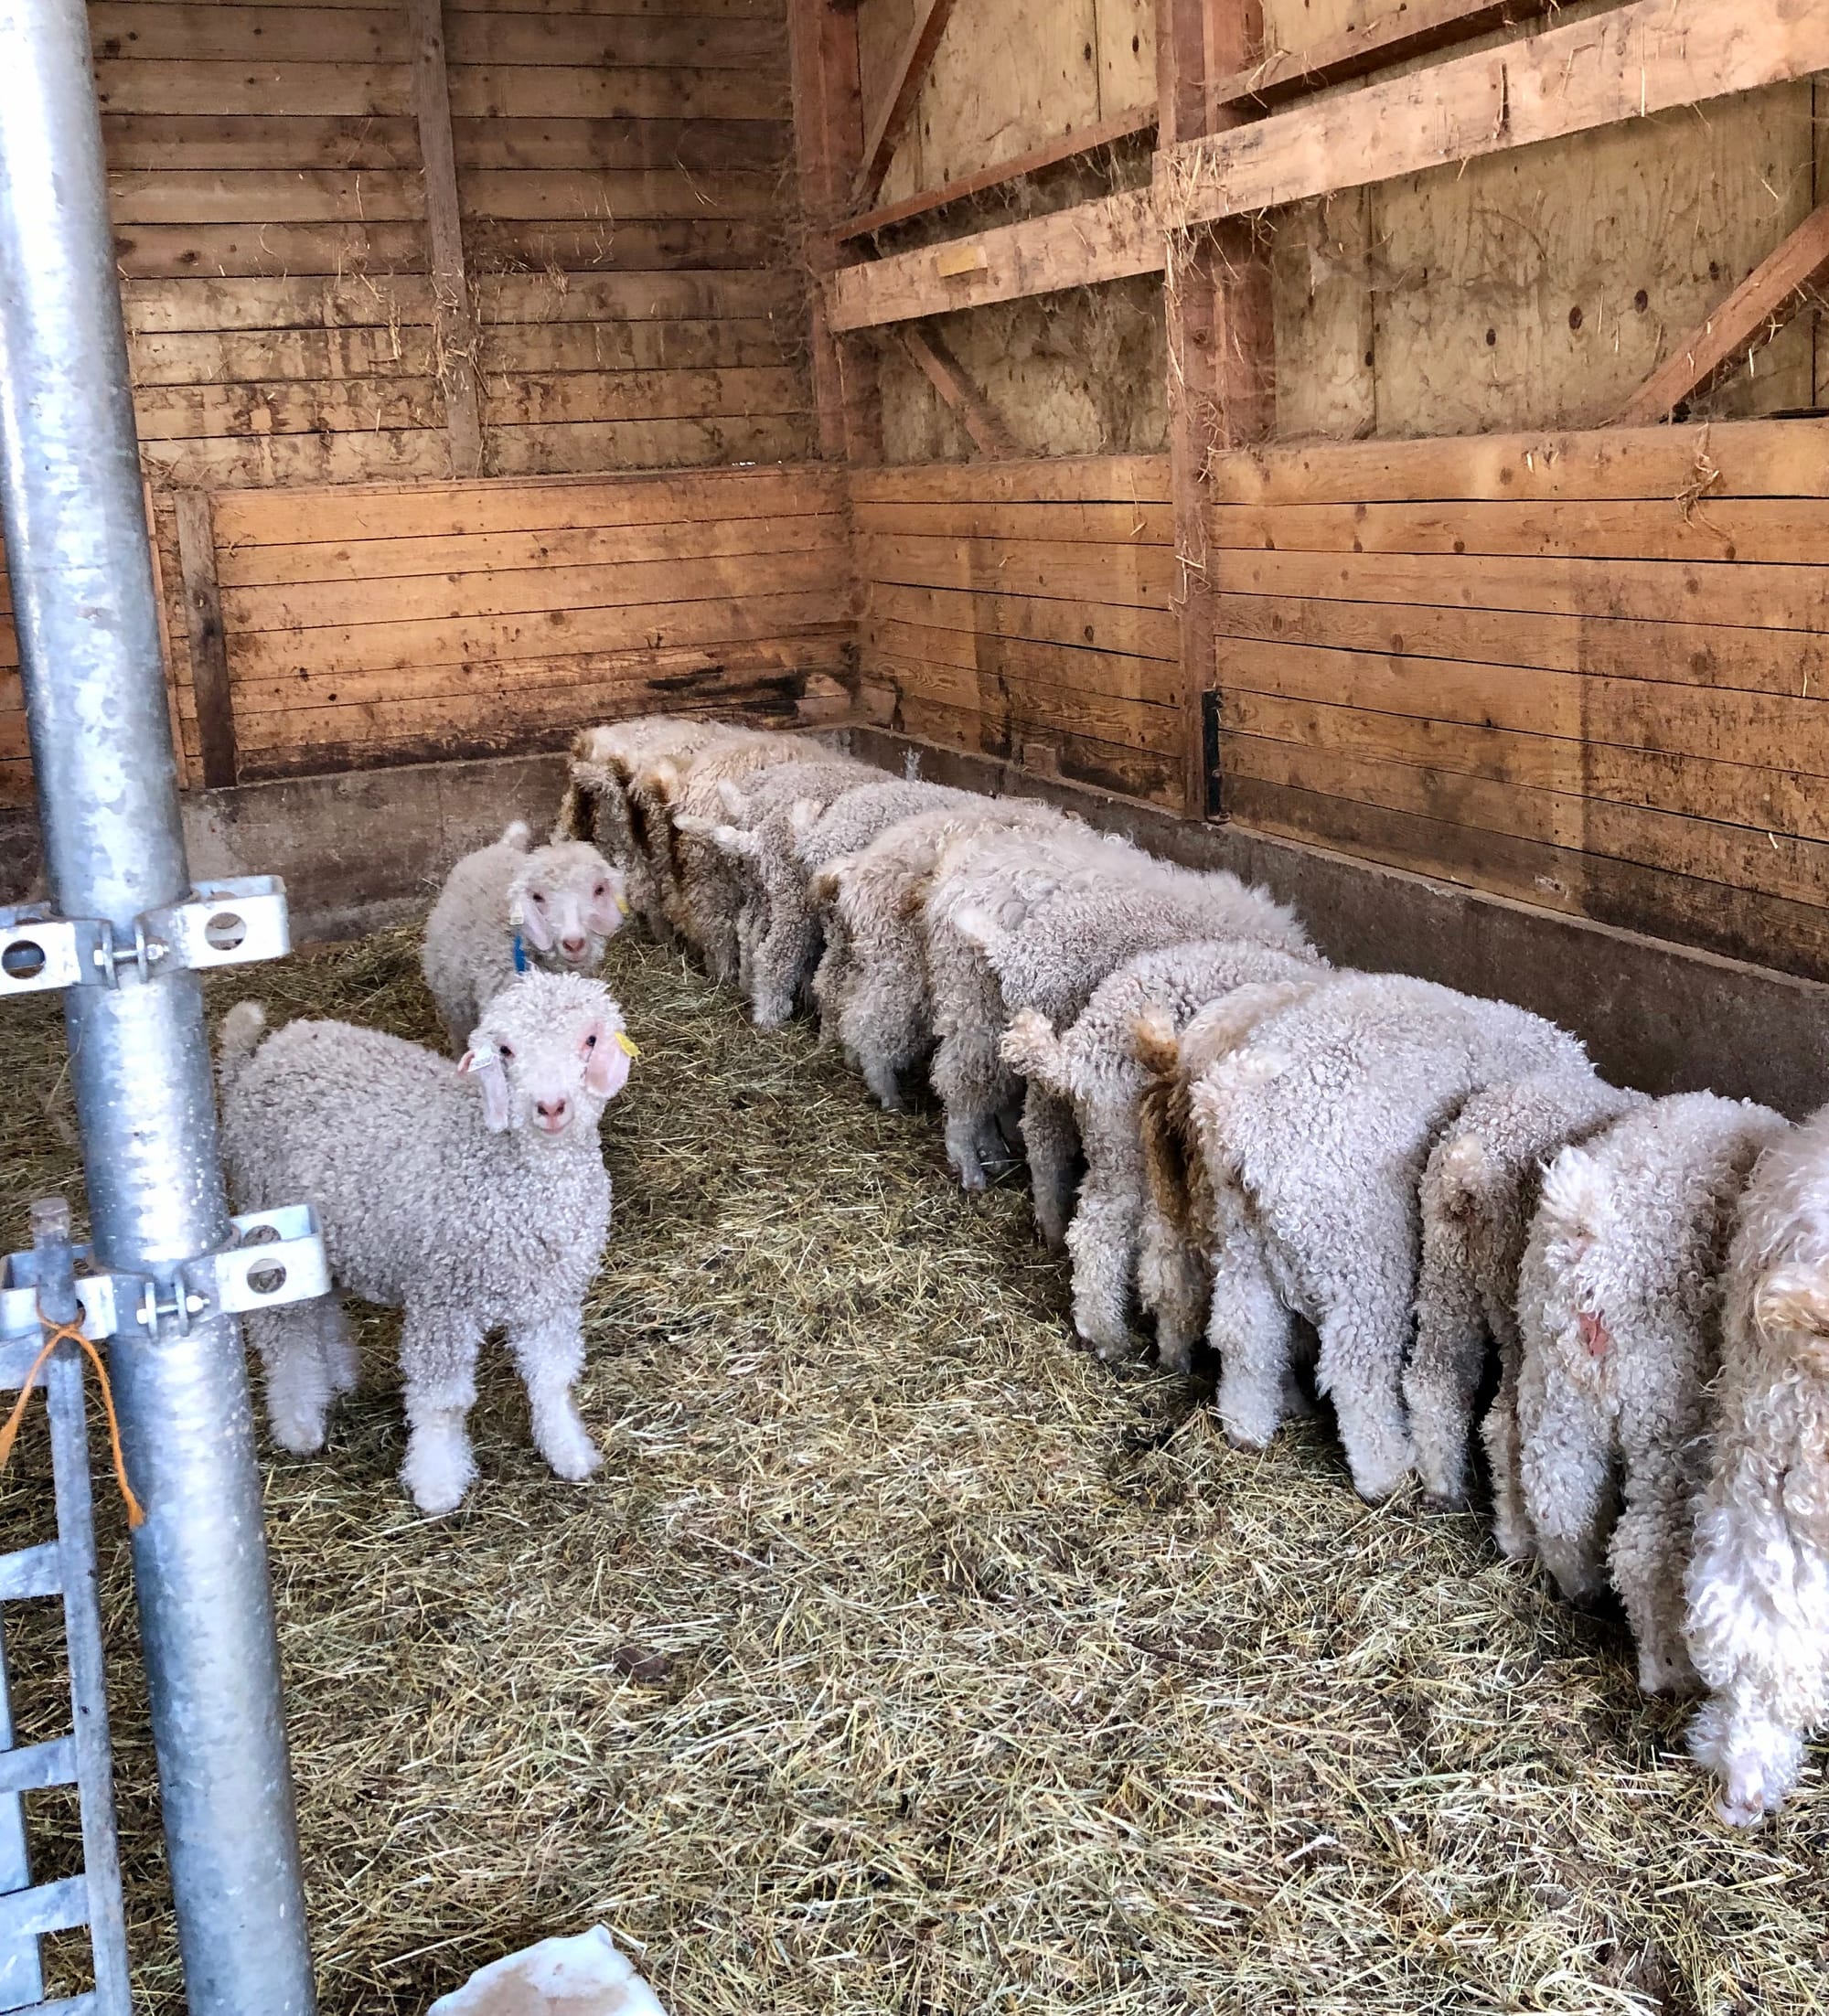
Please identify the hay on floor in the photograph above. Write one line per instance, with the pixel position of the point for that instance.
(903, 1659)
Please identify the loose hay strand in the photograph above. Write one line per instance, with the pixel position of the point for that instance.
(902, 1659)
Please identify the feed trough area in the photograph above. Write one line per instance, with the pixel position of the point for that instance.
(902, 1658)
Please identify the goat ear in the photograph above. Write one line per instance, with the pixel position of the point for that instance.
(607, 911)
(525, 917)
(610, 1058)
(492, 1080)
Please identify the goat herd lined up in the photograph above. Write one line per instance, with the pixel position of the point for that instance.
(1362, 1176)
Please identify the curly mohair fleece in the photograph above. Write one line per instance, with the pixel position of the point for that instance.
(756, 837)
(1180, 1228)
(1758, 1592)
(1009, 928)
(1322, 1121)
(563, 891)
(688, 872)
(438, 1195)
(1479, 1195)
(1094, 1068)
(596, 805)
(1619, 1316)
(871, 985)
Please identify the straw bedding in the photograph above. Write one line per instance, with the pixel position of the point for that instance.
(902, 1659)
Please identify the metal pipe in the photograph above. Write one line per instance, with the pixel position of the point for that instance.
(74, 524)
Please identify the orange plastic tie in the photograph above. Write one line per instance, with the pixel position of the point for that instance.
(71, 1333)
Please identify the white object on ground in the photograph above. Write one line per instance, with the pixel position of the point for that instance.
(581, 1976)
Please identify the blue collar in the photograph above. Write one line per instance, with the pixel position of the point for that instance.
(520, 954)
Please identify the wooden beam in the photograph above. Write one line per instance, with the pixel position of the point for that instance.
(1222, 349)
(943, 370)
(455, 321)
(1653, 56)
(827, 135)
(1104, 239)
(209, 644)
(1082, 140)
(1415, 27)
(1759, 306)
(897, 108)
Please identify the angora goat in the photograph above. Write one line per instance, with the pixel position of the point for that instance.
(1094, 1068)
(1758, 1623)
(1320, 1122)
(473, 1196)
(1619, 1313)
(1012, 924)
(503, 909)
(871, 986)
(1479, 1195)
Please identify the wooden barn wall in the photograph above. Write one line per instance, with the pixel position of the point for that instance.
(372, 625)
(1022, 610)
(1589, 672)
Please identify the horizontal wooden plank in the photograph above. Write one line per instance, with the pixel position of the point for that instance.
(1775, 458)
(620, 42)
(638, 297)
(481, 553)
(740, 343)
(1140, 725)
(1116, 674)
(1651, 56)
(157, 141)
(1098, 523)
(1775, 864)
(453, 509)
(504, 90)
(1137, 631)
(1774, 801)
(603, 245)
(1723, 529)
(544, 634)
(1778, 730)
(1135, 576)
(687, 673)
(173, 307)
(1110, 238)
(304, 90)
(220, 462)
(617, 195)
(581, 447)
(1737, 923)
(770, 10)
(263, 196)
(146, 251)
(699, 145)
(1744, 593)
(1699, 654)
(225, 358)
(186, 412)
(1080, 759)
(219, 33)
(1087, 479)
(522, 398)
(526, 590)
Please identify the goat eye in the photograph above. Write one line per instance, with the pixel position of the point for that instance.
(504, 1052)
(539, 898)
(598, 890)
(591, 1040)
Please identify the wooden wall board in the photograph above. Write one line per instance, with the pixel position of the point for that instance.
(1508, 681)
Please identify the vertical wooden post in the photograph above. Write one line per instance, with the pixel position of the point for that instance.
(827, 147)
(1221, 336)
(455, 329)
(209, 644)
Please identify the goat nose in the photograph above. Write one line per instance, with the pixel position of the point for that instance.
(573, 948)
(551, 1109)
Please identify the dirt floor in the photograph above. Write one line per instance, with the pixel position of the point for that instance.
(903, 1659)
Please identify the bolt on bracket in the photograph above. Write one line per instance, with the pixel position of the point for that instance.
(229, 922)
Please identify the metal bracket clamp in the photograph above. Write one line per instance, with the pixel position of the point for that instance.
(230, 922)
(277, 1257)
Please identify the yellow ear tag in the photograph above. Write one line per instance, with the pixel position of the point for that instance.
(628, 1048)
(622, 906)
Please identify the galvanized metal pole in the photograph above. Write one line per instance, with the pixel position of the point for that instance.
(77, 548)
